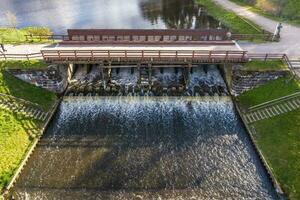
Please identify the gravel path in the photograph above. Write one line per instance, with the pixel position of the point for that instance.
(290, 35)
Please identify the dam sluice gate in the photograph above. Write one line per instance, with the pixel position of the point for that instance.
(146, 80)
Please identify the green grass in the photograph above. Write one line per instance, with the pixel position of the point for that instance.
(21, 64)
(17, 36)
(230, 19)
(279, 140)
(255, 9)
(15, 135)
(270, 65)
(272, 90)
(14, 142)
(18, 88)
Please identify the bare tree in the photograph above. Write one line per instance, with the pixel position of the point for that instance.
(11, 19)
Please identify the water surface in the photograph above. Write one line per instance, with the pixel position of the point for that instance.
(60, 15)
(145, 148)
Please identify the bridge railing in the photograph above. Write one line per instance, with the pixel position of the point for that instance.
(80, 55)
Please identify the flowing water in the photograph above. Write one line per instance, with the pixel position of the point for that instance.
(145, 148)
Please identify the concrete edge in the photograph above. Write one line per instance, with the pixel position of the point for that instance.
(271, 176)
(6, 191)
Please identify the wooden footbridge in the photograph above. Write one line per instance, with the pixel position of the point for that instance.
(145, 46)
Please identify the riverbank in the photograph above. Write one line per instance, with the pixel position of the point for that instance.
(18, 36)
(231, 20)
(278, 137)
(295, 5)
(17, 131)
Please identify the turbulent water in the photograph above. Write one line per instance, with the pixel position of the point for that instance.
(145, 148)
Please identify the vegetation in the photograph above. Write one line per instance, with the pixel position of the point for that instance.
(14, 143)
(15, 130)
(272, 90)
(23, 64)
(17, 36)
(280, 10)
(278, 137)
(270, 65)
(235, 23)
(279, 140)
(18, 88)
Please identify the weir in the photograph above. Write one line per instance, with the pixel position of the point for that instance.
(147, 80)
(145, 117)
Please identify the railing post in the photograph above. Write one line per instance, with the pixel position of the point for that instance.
(193, 54)
(142, 53)
(243, 56)
(108, 52)
(27, 57)
(266, 57)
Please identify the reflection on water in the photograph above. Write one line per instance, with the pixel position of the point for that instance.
(177, 14)
(144, 148)
(60, 15)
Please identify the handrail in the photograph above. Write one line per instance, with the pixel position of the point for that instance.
(274, 101)
(21, 100)
(92, 54)
(20, 56)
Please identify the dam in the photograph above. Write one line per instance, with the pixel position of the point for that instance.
(145, 126)
(147, 114)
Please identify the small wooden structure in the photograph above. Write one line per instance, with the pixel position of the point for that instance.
(157, 46)
(144, 35)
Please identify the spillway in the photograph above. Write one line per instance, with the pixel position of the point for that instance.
(145, 148)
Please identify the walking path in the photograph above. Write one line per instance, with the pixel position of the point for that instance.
(273, 108)
(290, 35)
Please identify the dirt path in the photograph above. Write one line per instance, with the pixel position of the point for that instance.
(290, 35)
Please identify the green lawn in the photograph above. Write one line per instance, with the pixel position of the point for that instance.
(293, 5)
(17, 36)
(18, 88)
(14, 142)
(272, 90)
(230, 19)
(279, 140)
(270, 65)
(15, 130)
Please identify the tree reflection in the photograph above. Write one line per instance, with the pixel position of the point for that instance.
(177, 14)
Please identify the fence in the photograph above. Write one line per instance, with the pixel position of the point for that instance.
(32, 56)
(144, 55)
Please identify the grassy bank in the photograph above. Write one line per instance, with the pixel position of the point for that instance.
(18, 88)
(270, 65)
(279, 140)
(15, 136)
(292, 5)
(230, 19)
(14, 142)
(17, 36)
(272, 90)
(278, 137)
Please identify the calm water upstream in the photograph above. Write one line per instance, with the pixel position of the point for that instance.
(145, 148)
(60, 15)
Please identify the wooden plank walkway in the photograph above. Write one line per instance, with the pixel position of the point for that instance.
(273, 108)
(23, 107)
